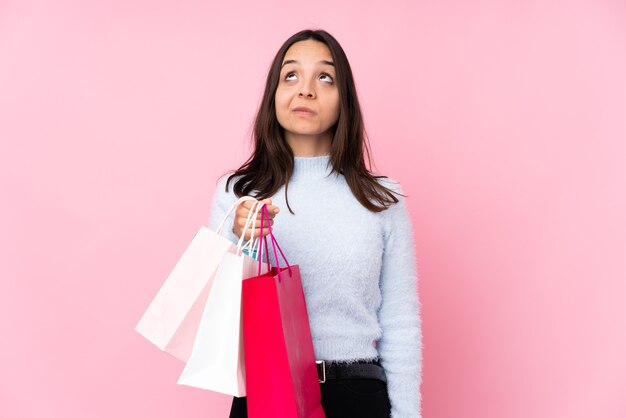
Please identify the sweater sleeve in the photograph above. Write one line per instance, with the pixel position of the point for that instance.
(222, 201)
(400, 347)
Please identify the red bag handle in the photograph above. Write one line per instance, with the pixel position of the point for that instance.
(264, 214)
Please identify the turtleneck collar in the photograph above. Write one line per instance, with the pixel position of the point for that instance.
(311, 167)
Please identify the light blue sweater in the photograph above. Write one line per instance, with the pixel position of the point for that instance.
(358, 272)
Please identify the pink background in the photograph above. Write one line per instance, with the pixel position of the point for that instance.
(505, 122)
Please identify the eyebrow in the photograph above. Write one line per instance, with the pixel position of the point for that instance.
(325, 62)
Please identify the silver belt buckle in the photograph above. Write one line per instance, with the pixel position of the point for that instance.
(321, 363)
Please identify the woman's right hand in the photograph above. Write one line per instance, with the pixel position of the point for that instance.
(241, 215)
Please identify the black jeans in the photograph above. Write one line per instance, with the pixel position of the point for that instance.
(344, 398)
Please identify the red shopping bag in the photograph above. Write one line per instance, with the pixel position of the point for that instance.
(281, 375)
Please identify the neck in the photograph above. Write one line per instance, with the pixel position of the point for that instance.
(309, 145)
(310, 167)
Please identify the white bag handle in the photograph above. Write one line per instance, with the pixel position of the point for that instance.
(257, 241)
(237, 203)
(252, 243)
(250, 220)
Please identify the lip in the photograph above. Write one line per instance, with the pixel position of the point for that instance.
(301, 110)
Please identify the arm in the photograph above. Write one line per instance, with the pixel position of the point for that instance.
(400, 347)
(222, 201)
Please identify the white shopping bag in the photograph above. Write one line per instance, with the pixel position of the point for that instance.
(172, 318)
(217, 359)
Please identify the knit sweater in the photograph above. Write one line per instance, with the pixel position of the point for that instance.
(358, 272)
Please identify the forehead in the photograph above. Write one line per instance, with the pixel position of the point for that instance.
(309, 50)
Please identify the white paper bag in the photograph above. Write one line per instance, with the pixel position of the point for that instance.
(172, 318)
(217, 359)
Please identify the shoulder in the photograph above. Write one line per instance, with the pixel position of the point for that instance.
(221, 196)
(397, 190)
(223, 179)
(396, 216)
(228, 181)
(224, 182)
(390, 184)
(222, 201)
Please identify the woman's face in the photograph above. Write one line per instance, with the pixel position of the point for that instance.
(307, 98)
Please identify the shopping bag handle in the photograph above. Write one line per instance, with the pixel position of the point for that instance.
(252, 243)
(265, 214)
(246, 226)
(233, 207)
(255, 245)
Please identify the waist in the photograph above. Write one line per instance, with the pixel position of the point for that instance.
(360, 369)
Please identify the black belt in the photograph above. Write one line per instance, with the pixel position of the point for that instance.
(358, 370)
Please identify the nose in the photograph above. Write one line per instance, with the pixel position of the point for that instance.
(306, 91)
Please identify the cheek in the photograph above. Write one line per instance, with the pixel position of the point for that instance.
(278, 102)
(281, 106)
(333, 107)
(281, 97)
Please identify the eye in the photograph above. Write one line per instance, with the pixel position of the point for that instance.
(328, 77)
(288, 75)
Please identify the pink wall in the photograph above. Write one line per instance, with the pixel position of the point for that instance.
(505, 121)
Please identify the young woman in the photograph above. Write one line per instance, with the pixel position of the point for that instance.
(348, 230)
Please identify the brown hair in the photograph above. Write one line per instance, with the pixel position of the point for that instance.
(271, 164)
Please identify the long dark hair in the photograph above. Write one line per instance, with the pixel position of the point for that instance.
(271, 164)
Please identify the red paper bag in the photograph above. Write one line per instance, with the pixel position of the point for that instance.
(281, 375)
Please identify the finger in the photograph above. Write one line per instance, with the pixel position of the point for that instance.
(265, 202)
(251, 232)
(257, 232)
(242, 210)
(241, 222)
(245, 208)
(269, 215)
(258, 205)
(247, 204)
(257, 224)
(272, 210)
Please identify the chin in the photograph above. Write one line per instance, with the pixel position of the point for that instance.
(306, 131)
